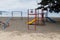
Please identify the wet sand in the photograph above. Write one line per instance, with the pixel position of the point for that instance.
(18, 30)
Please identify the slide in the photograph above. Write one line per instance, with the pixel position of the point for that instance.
(32, 21)
(7, 22)
(51, 20)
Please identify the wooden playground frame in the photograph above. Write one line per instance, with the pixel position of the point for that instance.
(36, 14)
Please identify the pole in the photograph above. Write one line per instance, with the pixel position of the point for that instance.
(28, 19)
(42, 17)
(38, 17)
(12, 13)
(35, 19)
(21, 15)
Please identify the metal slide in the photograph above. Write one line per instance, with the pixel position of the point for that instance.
(51, 20)
(7, 22)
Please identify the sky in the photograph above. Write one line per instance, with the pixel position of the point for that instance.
(17, 4)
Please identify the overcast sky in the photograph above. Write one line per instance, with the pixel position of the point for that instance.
(17, 4)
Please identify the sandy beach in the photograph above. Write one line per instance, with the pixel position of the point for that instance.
(18, 30)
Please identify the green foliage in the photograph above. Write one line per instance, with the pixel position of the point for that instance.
(53, 5)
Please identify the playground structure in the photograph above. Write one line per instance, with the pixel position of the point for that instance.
(7, 22)
(21, 13)
(38, 20)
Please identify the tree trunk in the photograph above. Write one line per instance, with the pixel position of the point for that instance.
(42, 17)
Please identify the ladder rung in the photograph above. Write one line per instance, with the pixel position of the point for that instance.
(35, 14)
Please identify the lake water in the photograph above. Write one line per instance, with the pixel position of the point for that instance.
(24, 14)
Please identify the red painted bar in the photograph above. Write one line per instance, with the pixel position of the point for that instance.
(35, 18)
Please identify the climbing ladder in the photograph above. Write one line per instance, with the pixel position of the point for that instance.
(34, 17)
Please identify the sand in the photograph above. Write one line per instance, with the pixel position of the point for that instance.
(18, 31)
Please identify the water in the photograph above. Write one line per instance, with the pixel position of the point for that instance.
(24, 14)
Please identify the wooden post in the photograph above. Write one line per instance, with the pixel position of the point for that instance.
(35, 19)
(42, 17)
(38, 17)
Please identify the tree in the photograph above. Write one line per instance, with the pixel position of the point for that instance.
(52, 5)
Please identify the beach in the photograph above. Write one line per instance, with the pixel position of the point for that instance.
(18, 30)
